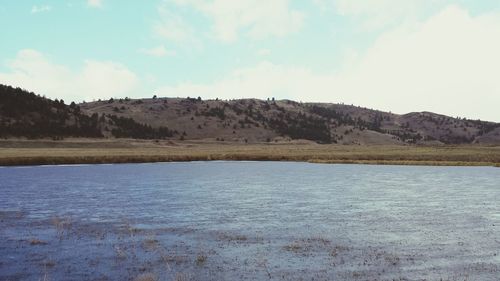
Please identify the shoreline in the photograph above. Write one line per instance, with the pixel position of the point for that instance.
(51, 162)
(103, 160)
(20, 153)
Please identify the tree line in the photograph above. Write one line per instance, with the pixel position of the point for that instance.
(25, 114)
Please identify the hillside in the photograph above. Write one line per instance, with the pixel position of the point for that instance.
(252, 120)
(25, 114)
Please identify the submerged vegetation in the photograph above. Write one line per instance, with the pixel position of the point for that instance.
(192, 222)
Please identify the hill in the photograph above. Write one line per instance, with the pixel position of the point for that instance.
(252, 120)
(25, 114)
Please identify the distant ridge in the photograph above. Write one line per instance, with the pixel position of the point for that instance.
(24, 114)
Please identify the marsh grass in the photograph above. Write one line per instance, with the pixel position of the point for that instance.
(35, 242)
(45, 277)
(182, 277)
(467, 155)
(62, 225)
(231, 237)
(49, 263)
(306, 245)
(150, 244)
(121, 253)
(201, 258)
(11, 215)
(175, 259)
(337, 249)
(294, 247)
(146, 277)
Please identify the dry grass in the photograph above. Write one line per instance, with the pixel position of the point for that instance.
(338, 249)
(62, 225)
(45, 277)
(169, 258)
(48, 263)
(182, 277)
(201, 259)
(121, 253)
(35, 242)
(231, 237)
(146, 277)
(307, 244)
(34, 153)
(150, 244)
(294, 247)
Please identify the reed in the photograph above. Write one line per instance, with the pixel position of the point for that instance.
(193, 151)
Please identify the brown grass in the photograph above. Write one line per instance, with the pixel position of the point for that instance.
(150, 244)
(120, 252)
(294, 247)
(61, 224)
(35, 242)
(201, 259)
(181, 277)
(34, 153)
(231, 237)
(146, 277)
(48, 263)
(167, 258)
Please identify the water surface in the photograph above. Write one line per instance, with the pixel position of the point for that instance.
(249, 221)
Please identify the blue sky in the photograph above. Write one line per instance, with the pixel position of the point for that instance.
(394, 55)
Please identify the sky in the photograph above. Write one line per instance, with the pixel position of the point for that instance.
(400, 56)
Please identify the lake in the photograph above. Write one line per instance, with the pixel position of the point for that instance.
(249, 221)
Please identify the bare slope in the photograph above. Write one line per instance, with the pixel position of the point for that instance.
(252, 120)
(25, 114)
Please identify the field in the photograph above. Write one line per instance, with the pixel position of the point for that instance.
(78, 151)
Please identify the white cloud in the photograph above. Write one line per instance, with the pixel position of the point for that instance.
(159, 51)
(94, 3)
(256, 18)
(262, 81)
(264, 52)
(379, 13)
(447, 64)
(34, 71)
(173, 27)
(376, 14)
(40, 9)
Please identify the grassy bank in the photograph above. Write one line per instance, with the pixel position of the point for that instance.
(92, 152)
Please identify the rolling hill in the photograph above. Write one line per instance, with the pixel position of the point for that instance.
(252, 120)
(24, 114)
